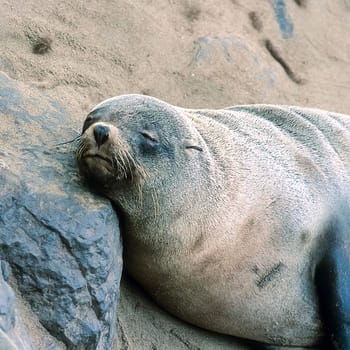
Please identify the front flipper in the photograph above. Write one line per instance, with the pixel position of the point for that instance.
(332, 280)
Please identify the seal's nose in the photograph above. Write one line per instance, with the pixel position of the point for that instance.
(101, 133)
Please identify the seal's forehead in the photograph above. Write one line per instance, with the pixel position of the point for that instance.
(134, 110)
(129, 101)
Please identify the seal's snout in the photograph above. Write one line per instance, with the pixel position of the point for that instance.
(101, 134)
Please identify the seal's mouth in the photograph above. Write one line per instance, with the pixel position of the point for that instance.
(93, 162)
(97, 165)
(98, 156)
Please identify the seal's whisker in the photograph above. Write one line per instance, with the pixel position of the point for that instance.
(142, 173)
(118, 164)
(130, 171)
(77, 138)
(129, 163)
(115, 163)
(155, 203)
(121, 159)
(81, 149)
(140, 194)
(125, 161)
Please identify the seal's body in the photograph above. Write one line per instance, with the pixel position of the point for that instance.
(235, 220)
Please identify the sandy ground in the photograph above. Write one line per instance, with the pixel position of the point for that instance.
(192, 53)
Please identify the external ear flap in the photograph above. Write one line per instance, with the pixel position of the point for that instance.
(198, 148)
(191, 144)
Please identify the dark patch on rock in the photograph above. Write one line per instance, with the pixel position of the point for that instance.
(255, 21)
(276, 56)
(61, 242)
(42, 45)
(192, 11)
(301, 3)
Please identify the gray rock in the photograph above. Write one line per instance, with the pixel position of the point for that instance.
(61, 242)
(12, 333)
(5, 342)
(7, 301)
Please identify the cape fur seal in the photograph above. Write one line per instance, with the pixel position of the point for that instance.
(235, 220)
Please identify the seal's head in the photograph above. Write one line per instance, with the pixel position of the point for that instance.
(128, 139)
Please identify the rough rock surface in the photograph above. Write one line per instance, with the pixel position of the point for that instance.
(62, 243)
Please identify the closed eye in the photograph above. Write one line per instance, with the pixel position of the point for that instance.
(149, 136)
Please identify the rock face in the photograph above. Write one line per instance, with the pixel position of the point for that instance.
(62, 243)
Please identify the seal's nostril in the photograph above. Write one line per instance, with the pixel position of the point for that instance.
(101, 133)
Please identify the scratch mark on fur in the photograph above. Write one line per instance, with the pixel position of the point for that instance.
(269, 275)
